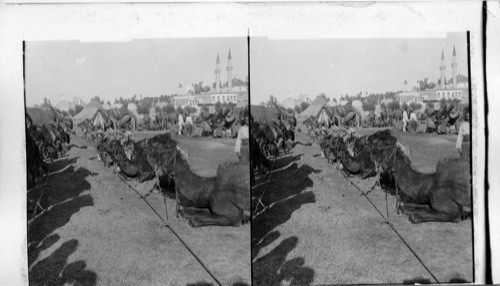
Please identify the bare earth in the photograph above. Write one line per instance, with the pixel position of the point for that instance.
(321, 230)
(99, 232)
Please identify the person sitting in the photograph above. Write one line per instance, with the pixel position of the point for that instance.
(463, 139)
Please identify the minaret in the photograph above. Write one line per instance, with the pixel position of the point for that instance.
(442, 68)
(229, 72)
(217, 74)
(454, 68)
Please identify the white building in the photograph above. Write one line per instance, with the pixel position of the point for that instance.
(410, 97)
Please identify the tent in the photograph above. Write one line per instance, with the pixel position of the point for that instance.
(263, 114)
(358, 105)
(324, 115)
(99, 119)
(311, 110)
(87, 113)
(132, 107)
(40, 116)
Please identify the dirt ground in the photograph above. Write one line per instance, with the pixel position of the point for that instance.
(319, 229)
(99, 232)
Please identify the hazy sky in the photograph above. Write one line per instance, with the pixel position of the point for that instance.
(340, 66)
(110, 70)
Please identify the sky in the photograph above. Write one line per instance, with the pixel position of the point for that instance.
(151, 67)
(347, 66)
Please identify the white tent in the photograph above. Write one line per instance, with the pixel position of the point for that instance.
(132, 107)
(87, 113)
(312, 110)
(358, 105)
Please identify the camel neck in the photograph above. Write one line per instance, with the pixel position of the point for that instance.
(192, 186)
(415, 184)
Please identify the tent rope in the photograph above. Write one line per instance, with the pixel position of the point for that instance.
(392, 227)
(167, 224)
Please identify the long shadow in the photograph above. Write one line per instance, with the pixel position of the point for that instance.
(55, 270)
(62, 163)
(283, 195)
(273, 268)
(62, 197)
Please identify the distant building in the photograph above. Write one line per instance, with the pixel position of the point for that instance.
(233, 91)
(410, 97)
(455, 88)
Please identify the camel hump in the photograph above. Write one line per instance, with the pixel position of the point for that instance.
(453, 163)
(454, 169)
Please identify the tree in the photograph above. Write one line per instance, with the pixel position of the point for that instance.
(272, 102)
(430, 105)
(46, 103)
(179, 109)
(205, 109)
(71, 112)
(190, 109)
(394, 105)
(405, 106)
(218, 106)
(290, 110)
(414, 106)
(334, 100)
(383, 106)
(368, 106)
(143, 109)
(322, 95)
(168, 109)
(442, 102)
(303, 106)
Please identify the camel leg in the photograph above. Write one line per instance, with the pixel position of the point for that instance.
(442, 208)
(228, 209)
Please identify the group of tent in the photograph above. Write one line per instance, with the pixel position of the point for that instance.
(100, 115)
(325, 112)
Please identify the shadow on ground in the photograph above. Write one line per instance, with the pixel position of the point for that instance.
(283, 194)
(61, 197)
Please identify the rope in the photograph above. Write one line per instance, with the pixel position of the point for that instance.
(392, 227)
(35, 216)
(259, 201)
(172, 230)
(166, 223)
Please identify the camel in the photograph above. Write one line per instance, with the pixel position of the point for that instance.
(226, 195)
(447, 191)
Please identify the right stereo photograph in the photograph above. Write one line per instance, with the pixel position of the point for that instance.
(361, 160)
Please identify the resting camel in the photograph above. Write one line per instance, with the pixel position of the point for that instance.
(447, 191)
(226, 195)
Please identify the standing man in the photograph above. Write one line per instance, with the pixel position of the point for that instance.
(463, 139)
(413, 121)
(242, 147)
(181, 123)
(405, 119)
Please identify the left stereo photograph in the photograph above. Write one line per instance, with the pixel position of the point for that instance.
(138, 162)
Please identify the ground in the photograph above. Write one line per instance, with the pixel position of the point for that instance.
(320, 229)
(99, 232)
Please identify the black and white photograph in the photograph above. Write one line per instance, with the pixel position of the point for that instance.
(249, 143)
(364, 174)
(138, 162)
